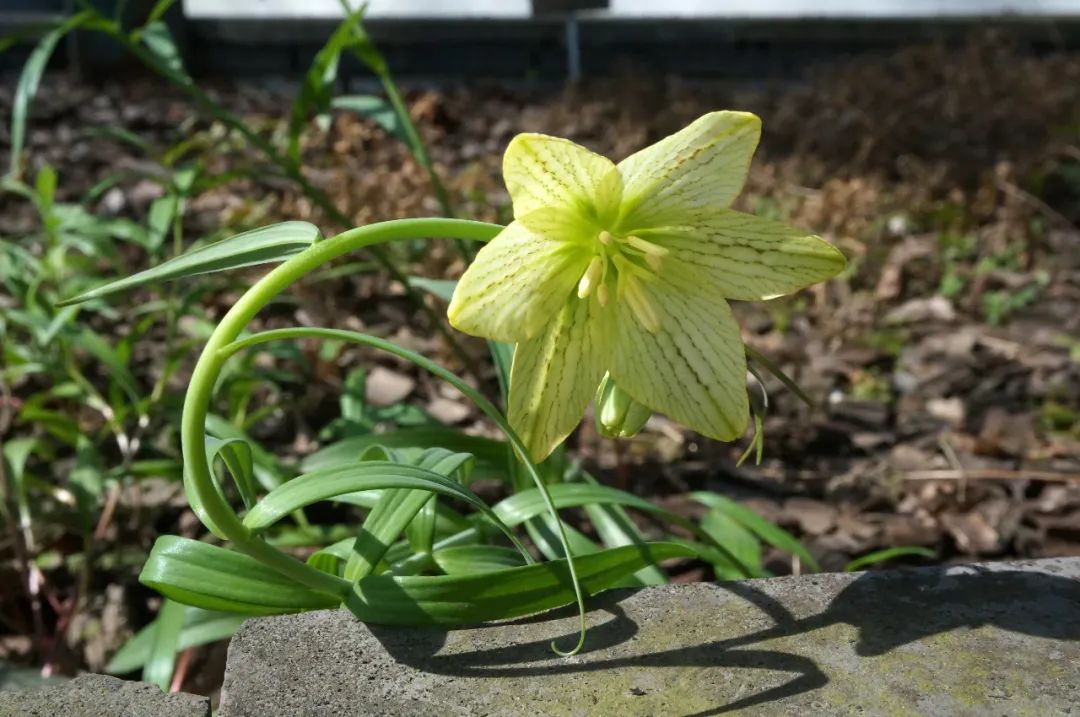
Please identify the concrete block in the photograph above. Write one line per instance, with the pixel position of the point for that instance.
(1001, 639)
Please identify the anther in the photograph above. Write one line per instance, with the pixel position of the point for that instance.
(653, 253)
(606, 238)
(602, 294)
(646, 246)
(590, 278)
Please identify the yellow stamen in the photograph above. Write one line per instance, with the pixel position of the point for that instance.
(641, 305)
(602, 294)
(652, 253)
(648, 247)
(590, 278)
(606, 238)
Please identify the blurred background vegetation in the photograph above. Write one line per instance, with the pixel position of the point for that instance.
(944, 365)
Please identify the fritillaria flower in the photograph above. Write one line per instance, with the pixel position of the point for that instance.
(625, 270)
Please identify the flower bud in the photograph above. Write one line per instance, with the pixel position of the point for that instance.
(617, 414)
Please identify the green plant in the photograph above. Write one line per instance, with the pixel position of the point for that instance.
(398, 568)
(998, 305)
(427, 549)
(365, 573)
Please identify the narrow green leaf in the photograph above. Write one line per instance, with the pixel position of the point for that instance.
(159, 220)
(615, 529)
(325, 561)
(29, 81)
(259, 246)
(236, 454)
(544, 534)
(199, 628)
(339, 550)
(739, 541)
(497, 595)
(15, 453)
(159, 41)
(465, 559)
(268, 470)
(490, 454)
(324, 485)
(215, 578)
(420, 532)
(772, 534)
(158, 669)
(398, 509)
(392, 513)
(117, 368)
(528, 504)
(880, 556)
(519, 507)
(318, 82)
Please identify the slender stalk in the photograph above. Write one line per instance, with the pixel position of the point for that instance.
(199, 479)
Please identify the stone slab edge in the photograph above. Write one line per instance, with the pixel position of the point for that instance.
(92, 695)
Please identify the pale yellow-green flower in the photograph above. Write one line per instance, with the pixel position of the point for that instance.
(626, 270)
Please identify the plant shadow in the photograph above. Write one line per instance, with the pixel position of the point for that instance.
(888, 609)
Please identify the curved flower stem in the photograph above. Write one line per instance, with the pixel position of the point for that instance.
(199, 479)
(489, 409)
(224, 342)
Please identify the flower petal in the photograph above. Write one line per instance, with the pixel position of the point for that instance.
(542, 171)
(693, 368)
(701, 166)
(520, 278)
(746, 257)
(555, 375)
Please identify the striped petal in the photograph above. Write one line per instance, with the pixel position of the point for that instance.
(746, 257)
(542, 171)
(555, 375)
(693, 367)
(521, 278)
(701, 167)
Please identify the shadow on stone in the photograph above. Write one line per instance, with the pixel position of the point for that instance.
(888, 609)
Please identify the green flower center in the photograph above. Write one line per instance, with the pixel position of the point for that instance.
(620, 265)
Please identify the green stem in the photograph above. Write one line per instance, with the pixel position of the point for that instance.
(200, 480)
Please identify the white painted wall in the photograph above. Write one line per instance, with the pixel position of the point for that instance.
(321, 9)
(841, 8)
